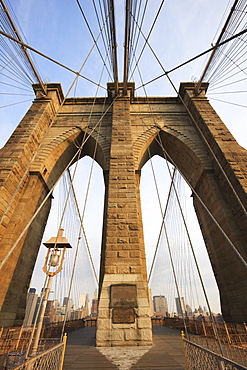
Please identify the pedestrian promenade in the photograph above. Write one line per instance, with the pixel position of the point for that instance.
(166, 353)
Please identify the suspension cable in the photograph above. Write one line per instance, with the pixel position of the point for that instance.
(198, 86)
(203, 136)
(82, 227)
(24, 48)
(159, 141)
(49, 58)
(192, 59)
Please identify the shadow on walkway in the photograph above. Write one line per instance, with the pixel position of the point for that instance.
(166, 353)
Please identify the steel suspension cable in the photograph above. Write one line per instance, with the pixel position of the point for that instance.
(161, 227)
(51, 189)
(191, 59)
(172, 186)
(148, 36)
(135, 42)
(217, 43)
(91, 33)
(41, 142)
(159, 141)
(82, 227)
(24, 49)
(104, 39)
(49, 58)
(113, 42)
(202, 135)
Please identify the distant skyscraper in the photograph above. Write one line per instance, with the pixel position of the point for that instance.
(82, 300)
(87, 306)
(68, 302)
(188, 310)
(30, 307)
(180, 304)
(50, 312)
(160, 304)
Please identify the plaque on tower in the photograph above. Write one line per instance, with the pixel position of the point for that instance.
(123, 301)
(123, 316)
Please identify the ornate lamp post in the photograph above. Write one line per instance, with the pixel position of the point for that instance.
(54, 259)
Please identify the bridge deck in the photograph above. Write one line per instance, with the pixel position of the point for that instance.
(166, 353)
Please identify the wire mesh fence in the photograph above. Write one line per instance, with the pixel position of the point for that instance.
(50, 359)
(201, 358)
(15, 342)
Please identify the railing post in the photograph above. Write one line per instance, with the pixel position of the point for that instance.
(63, 352)
(227, 333)
(204, 329)
(19, 338)
(184, 347)
(245, 326)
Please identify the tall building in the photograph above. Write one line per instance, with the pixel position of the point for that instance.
(181, 307)
(50, 312)
(160, 304)
(68, 302)
(94, 308)
(82, 300)
(30, 307)
(189, 310)
(87, 306)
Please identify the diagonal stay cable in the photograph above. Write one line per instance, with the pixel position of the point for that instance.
(167, 156)
(217, 46)
(191, 59)
(51, 59)
(135, 40)
(24, 49)
(91, 33)
(202, 134)
(82, 227)
(172, 186)
(52, 188)
(104, 38)
(148, 36)
(161, 227)
(35, 153)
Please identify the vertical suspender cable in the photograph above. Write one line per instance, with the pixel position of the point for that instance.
(113, 43)
(126, 44)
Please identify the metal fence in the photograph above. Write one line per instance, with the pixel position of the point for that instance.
(51, 358)
(200, 358)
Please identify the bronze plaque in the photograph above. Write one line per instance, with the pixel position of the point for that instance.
(123, 315)
(124, 296)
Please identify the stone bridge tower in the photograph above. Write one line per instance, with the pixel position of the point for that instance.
(199, 144)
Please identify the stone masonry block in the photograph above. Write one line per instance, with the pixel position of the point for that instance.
(117, 335)
(131, 334)
(123, 254)
(103, 335)
(144, 322)
(146, 335)
(110, 269)
(103, 324)
(135, 254)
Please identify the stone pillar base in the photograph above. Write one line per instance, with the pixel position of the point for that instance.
(134, 327)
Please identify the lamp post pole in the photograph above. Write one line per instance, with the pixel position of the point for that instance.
(41, 317)
(56, 260)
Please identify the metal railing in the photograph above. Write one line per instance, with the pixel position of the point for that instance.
(51, 359)
(50, 356)
(200, 358)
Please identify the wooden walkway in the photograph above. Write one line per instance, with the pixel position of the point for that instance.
(166, 353)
